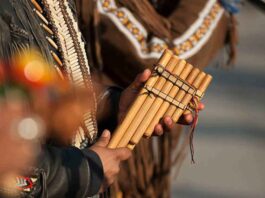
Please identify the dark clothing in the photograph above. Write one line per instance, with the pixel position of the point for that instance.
(61, 172)
(67, 172)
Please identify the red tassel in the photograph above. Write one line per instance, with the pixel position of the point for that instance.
(195, 103)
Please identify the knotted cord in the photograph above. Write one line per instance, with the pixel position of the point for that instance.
(194, 105)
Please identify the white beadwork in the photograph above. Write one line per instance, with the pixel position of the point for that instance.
(73, 55)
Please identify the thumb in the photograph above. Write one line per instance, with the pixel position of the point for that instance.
(104, 139)
(140, 79)
(123, 153)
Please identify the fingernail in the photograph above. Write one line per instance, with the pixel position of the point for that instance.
(105, 133)
(147, 71)
(168, 120)
(190, 118)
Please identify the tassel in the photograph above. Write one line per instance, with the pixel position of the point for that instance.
(233, 40)
(189, 139)
(194, 103)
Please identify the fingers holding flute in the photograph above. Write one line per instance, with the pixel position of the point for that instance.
(110, 158)
(167, 97)
(167, 125)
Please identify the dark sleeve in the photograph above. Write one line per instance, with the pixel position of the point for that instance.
(108, 108)
(68, 172)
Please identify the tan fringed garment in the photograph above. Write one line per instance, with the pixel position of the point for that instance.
(194, 29)
(124, 37)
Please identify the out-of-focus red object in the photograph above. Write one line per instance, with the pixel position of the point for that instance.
(2, 73)
(30, 69)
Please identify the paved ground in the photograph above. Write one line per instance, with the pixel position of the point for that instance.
(230, 139)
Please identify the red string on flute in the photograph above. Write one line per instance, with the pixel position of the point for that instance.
(194, 103)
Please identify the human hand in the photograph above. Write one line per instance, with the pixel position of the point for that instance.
(129, 95)
(111, 158)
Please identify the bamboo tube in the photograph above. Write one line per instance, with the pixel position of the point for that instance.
(187, 98)
(201, 79)
(137, 103)
(131, 146)
(173, 93)
(145, 106)
(170, 111)
(191, 75)
(206, 82)
(179, 69)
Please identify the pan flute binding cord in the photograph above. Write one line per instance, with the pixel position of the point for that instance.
(174, 88)
(194, 106)
(69, 54)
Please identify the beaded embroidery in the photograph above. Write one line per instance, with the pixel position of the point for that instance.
(59, 22)
(185, 46)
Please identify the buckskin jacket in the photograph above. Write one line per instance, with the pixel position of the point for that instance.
(61, 172)
(127, 36)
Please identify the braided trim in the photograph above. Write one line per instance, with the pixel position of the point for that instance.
(72, 50)
(185, 46)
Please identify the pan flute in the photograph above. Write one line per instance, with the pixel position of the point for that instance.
(170, 90)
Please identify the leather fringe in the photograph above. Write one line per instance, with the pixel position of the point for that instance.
(232, 40)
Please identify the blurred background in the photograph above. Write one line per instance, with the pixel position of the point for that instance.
(230, 137)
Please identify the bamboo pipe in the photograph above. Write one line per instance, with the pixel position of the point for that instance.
(187, 98)
(131, 146)
(174, 92)
(178, 96)
(180, 70)
(202, 88)
(137, 103)
(202, 81)
(145, 106)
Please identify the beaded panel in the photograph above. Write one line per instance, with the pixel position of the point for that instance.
(69, 55)
(185, 46)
